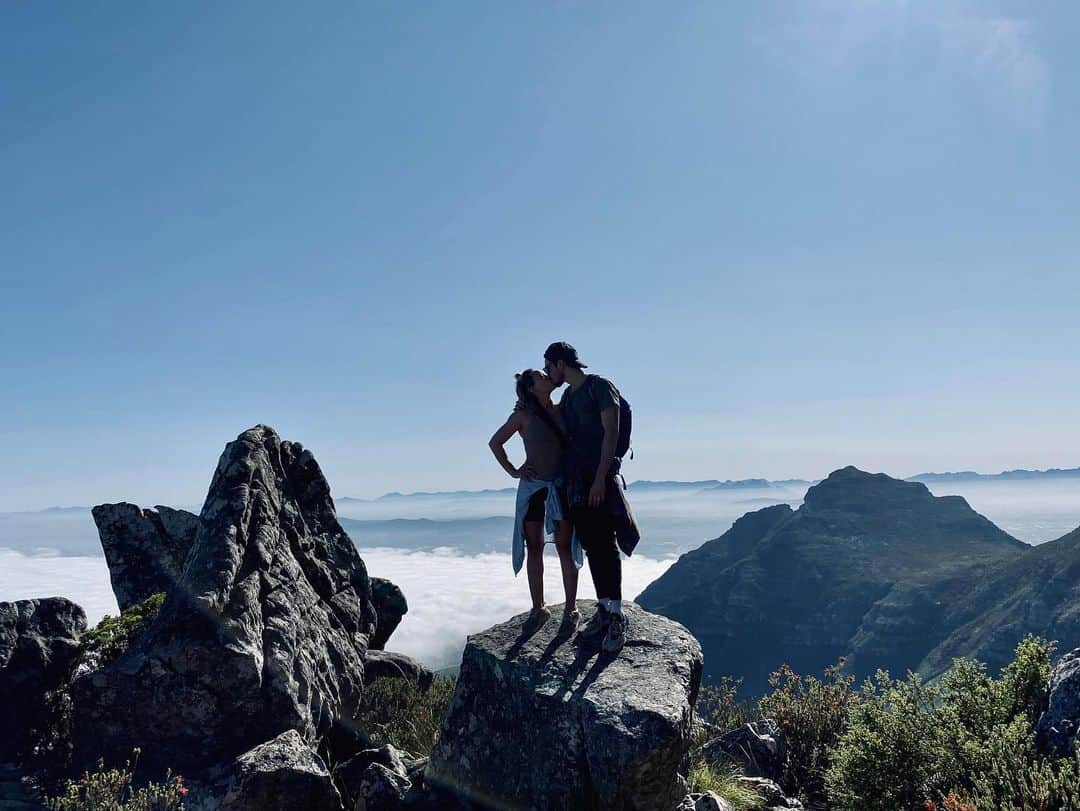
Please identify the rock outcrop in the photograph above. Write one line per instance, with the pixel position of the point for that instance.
(390, 607)
(756, 748)
(377, 780)
(382, 664)
(866, 569)
(1059, 724)
(145, 549)
(280, 775)
(38, 643)
(546, 721)
(265, 632)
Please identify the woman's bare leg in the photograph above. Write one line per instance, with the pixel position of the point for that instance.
(564, 532)
(534, 541)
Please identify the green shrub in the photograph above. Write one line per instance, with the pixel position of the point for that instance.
(1016, 777)
(889, 755)
(811, 713)
(114, 790)
(398, 712)
(963, 742)
(106, 641)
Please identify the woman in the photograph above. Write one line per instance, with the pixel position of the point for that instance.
(541, 498)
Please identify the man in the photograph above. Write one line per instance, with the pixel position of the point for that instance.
(590, 409)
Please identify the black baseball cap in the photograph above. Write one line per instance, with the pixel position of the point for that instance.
(561, 350)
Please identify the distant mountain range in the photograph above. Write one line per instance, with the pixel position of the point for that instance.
(739, 484)
(1008, 475)
(469, 535)
(873, 569)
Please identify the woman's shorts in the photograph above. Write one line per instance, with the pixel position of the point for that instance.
(537, 501)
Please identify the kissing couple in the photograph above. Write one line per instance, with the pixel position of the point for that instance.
(570, 488)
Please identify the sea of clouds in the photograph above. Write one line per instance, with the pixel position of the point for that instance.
(450, 594)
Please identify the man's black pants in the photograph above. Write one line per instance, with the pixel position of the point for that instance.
(596, 531)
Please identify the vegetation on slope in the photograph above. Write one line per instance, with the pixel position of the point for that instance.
(964, 742)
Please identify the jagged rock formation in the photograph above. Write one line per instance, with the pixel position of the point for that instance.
(542, 722)
(38, 642)
(390, 607)
(145, 549)
(863, 569)
(265, 631)
(1056, 732)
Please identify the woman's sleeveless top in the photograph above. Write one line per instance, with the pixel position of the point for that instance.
(543, 448)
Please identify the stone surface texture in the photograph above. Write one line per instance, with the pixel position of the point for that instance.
(281, 775)
(390, 607)
(387, 664)
(38, 643)
(145, 549)
(757, 748)
(1057, 728)
(265, 632)
(549, 721)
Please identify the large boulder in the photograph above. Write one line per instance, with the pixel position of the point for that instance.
(390, 607)
(145, 549)
(39, 639)
(1057, 729)
(547, 721)
(280, 775)
(265, 632)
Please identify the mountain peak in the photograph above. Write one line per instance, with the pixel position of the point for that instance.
(853, 490)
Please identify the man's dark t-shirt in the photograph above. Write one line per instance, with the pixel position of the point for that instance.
(581, 412)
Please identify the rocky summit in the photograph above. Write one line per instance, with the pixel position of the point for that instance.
(861, 570)
(541, 720)
(264, 632)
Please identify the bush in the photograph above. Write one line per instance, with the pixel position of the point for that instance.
(717, 705)
(891, 751)
(811, 714)
(398, 712)
(114, 790)
(965, 742)
(111, 637)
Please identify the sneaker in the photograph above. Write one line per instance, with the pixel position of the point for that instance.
(597, 623)
(570, 619)
(616, 634)
(537, 617)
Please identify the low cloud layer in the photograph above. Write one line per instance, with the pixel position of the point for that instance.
(450, 594)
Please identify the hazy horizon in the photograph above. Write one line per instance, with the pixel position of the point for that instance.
(449, 553)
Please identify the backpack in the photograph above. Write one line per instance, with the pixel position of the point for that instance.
(625, 423)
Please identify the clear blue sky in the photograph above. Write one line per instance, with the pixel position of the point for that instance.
(797, 235)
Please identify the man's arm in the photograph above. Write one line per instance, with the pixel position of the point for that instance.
(609, 417)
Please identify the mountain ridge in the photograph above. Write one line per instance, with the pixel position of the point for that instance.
(857, 572)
